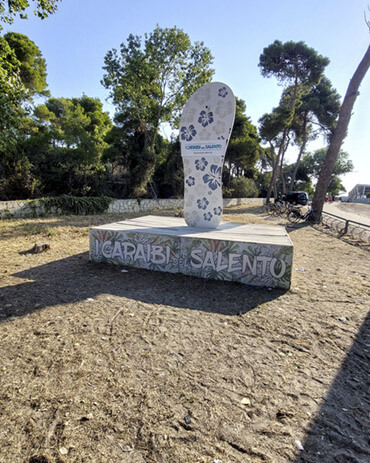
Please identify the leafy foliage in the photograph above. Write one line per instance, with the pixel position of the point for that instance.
(66, 204)
(317, 113)
(17, 180)
(69, 146)
(244, 147)
(32, 66)
(292, 62)
(149, 82)
(61, 146)
(299, 68)
(323, 105)
(11, 8)
(132, 163)
(311, 165)
(68, 142)
(22, 68)
(314, 162)
(242, 187)
(169, 173)
(22, 73)
(12, 92)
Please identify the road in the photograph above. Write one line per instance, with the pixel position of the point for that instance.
(350, 211)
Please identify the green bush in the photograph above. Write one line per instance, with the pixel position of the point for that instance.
(17, 180)
(74, 180)
(242, 187)
(67, 204)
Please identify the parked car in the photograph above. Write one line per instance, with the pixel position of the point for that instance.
(297, 197)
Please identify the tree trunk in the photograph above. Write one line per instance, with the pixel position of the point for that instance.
(301, 151)
(283, 184)
(282, 147)
(273, 179)
(339, 134)
(275, 169)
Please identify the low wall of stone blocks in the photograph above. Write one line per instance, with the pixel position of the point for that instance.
(23, 209)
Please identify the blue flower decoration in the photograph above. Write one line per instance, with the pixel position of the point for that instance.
(201, 164)
(207, 216)
(213, 178)
(217, 210)
(223, 92)
(205, 118)
(187, 133)
(202, 203)
(190, 181)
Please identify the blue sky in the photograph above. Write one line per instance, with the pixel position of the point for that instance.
(75, 40)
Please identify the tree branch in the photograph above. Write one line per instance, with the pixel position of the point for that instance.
(367, 21)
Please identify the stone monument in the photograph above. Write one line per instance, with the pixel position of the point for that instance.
(204, 247)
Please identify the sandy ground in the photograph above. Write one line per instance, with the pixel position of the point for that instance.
(98, 365)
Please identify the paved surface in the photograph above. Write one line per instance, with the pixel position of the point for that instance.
(350, 211)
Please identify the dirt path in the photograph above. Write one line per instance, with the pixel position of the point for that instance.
(103, 366)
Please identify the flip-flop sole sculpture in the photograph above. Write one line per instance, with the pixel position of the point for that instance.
(252, 254)
(205, 129)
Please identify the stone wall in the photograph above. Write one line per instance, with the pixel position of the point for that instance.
(144, 205)
(22, 209)
(18, 209)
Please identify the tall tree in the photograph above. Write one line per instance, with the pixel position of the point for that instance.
(12, 92)
(299, 67)
(133, 165)
(22, 75)
(317, 113)
(339, 133)
(60, 150)
(150, 81)
(75, 126)
(32, 66)
(273, 130)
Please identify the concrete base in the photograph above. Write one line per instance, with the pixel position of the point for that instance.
(252, 254)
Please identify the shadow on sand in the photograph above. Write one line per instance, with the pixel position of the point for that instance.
(341, 430)
(75, 279)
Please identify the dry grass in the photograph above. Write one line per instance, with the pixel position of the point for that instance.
(103, 366)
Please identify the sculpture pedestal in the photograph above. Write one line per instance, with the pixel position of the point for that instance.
(259, 255)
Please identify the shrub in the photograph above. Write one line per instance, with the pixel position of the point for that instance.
(67, 204)
(242, 187)
(17, 180)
